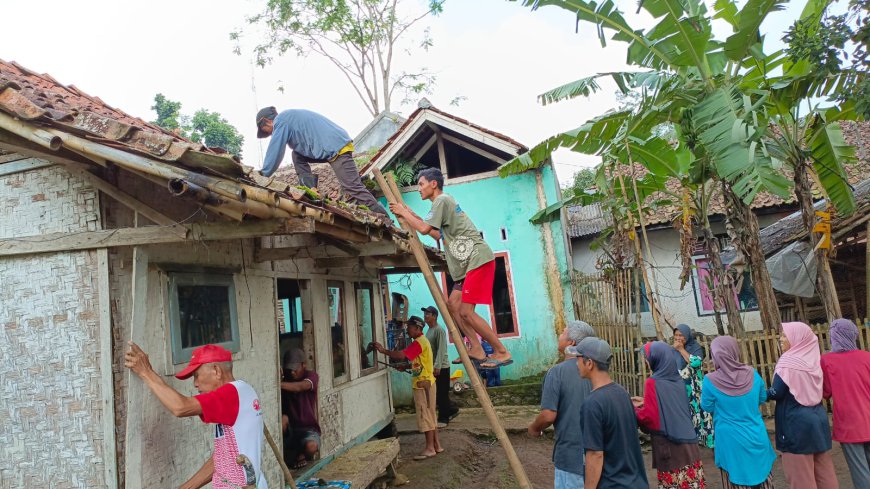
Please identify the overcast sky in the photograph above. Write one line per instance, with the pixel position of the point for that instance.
(495, 53)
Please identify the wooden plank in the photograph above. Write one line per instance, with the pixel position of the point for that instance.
(310, 247)
(107, 381)
(482, 152)
(23, 165)
(442, 154)
(422, 152)
(88, 240)
(135, 387)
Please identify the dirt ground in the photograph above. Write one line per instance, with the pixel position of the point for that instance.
(477, 461)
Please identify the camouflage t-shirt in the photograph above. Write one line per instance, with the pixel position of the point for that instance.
(464, 248)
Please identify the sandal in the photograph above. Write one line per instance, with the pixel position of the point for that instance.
(300, 464)
(458, 361)
(494, 363)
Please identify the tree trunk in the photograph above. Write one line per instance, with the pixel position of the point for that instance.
(723, 289)
(825, 285)
(745, 236)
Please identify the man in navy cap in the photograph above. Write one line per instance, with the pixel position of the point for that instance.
(313, 139)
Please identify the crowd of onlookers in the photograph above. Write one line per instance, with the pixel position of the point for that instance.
(684, 411)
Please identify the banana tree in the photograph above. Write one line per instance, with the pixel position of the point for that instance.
(729, 125)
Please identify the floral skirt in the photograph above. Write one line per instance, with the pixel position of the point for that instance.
(689, 477)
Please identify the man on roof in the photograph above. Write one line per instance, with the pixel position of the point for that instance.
(470, 262)
(313, 139)
(231, 405)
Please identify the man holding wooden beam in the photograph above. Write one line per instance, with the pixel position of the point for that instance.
(470, 262)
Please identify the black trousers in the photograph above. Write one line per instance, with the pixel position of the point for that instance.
(442, 395)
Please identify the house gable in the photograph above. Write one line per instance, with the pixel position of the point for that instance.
(436, 139)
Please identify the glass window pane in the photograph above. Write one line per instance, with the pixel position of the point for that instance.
(335, 292)
(365, 314)
(204, 315)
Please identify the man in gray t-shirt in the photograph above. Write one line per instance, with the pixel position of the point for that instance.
(563, 393)
(470, 261)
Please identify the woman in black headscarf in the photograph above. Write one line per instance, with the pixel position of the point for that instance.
(664, 413)
(689, 356)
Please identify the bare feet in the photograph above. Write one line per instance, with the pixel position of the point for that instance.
(425, 454)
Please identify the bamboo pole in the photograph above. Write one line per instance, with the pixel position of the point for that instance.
(38, 136)
(395, 197)
(646, 282)
(288, 477)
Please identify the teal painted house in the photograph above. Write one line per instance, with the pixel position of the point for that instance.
(531, 294)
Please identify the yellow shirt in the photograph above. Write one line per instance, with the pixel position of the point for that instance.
(420, 354)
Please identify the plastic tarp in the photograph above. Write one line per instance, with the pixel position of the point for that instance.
(793, 270)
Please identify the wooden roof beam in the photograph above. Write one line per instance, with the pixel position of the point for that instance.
(178, 233)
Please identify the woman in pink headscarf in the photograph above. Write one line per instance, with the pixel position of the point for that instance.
(802, 431)
(847, 380)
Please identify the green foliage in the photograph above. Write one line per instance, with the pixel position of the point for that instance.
(405, 172)
(205, 127)
(830, 153)
(358, 37)
(214, 131)
(583, 181)
(168, 114)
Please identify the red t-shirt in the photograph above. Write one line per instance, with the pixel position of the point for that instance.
(847, 380)
(235, 410)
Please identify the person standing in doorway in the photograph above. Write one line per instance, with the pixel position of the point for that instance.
(846, 371)
(561, 400)
(419, 353)
(437, 337)
(803, 434)
(470, 262)
(313, 139)
(612, 451)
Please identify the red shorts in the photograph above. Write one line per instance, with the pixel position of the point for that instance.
(477, 284)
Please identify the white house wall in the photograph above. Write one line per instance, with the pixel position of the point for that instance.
(678, 305)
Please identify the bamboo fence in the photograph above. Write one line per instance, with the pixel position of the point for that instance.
(605, 301)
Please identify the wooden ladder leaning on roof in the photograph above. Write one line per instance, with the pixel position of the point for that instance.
(391, 192)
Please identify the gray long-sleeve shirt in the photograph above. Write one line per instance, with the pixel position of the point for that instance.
(305, 132)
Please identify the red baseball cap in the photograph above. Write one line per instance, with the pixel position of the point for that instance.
(202, 355)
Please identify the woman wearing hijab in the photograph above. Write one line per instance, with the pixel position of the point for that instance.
(732, 393)
(802, 431)
(690, 356)
(846, 378)
(664, 413)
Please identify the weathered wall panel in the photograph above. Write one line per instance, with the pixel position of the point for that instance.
(51, 432)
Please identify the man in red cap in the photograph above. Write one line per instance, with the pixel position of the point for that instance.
(232, 405)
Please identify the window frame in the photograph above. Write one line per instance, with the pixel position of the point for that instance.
(345, 377)
(370, 287)
(699, 292)
(182, 355)
(511, 294)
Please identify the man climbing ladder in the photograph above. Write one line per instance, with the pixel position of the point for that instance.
(470, 262)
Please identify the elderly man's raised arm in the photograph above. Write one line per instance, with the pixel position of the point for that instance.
(179, 405)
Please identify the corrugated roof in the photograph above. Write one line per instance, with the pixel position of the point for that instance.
(587, 220)
(856, 134)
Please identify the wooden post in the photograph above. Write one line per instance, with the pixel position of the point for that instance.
(107, 382)
(288, 477)
(395, 197)
(135, 387)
